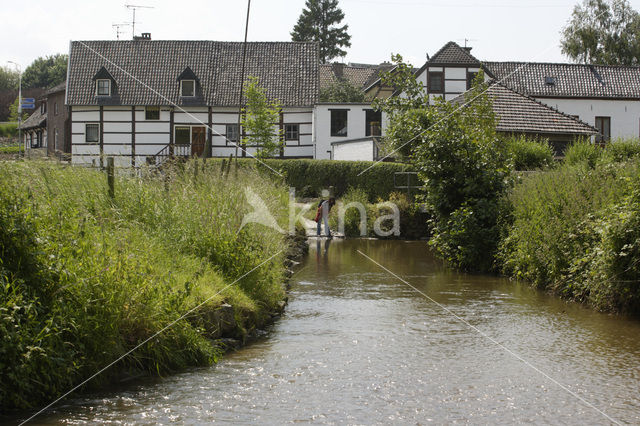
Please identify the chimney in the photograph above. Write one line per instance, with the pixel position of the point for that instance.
(143, 36)
(338, 70)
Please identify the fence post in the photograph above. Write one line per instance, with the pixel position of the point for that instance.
(229, 165)
(224, 162)
(111, 177)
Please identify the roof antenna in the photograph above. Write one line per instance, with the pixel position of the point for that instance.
(133, 8)
(466, 41)
(117, 28)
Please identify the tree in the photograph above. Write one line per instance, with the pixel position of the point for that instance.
(604, 33)
(317, 23)
(341, 91)
(407, 114)
(13, 112)
(45, 72)
(259, 120)
(8, 79)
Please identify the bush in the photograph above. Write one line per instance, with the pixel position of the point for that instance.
(310, 177)
(583, 152)
(8, 129)
(575, 233)
(622, 150)
(84, 278)
(529, 154)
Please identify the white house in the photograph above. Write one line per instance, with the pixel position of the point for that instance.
(142, 100)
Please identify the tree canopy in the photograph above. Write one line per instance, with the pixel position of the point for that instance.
(45, 72)
(259, 120)
(603, 32)
(341, 91)
(8, 79)
(318, 22)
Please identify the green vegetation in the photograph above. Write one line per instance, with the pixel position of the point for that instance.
(319, 22)
(587, 154)
(46, 71)
(310, 177)
(575, 231)
(8, 129)
(84, 278)
(341, 91)
(258, 119)
(529, 154)
(413, 222)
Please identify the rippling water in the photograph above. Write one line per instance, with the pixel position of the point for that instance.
(358, 346)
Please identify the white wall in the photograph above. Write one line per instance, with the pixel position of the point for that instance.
(356, 126)
(354, 151)
(625, 115)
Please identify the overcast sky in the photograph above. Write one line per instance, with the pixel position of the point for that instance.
(526, 30)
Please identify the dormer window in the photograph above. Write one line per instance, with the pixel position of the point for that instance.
(103, 87)
(187, 88)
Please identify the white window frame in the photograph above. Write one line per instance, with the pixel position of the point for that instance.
(86, 126)
(98, 86)
(151, 119)
(286, 136)
(182, 91)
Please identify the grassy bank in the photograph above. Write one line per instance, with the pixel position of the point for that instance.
(575, 230)
(84, 278)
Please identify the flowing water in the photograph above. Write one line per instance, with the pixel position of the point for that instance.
(357, 345)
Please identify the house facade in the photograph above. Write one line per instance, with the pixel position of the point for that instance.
(141, 101)
(58, 125)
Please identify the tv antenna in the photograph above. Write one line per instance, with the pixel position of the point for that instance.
(467, 40)
(117, 28)
(133, 8)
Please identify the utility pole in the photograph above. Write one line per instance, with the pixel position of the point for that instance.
(133, 8)
(244, 56)
(19, 106)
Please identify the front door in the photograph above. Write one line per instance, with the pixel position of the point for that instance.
(198, 138)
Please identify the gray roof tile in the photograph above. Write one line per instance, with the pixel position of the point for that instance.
(145, 71)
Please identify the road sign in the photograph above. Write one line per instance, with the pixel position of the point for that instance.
(28, 106)
(28, 100)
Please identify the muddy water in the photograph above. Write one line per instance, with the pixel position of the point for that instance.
(358, 346)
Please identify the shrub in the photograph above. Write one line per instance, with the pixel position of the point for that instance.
(529, 154)
(8, 129)
(583, 152)
(85, 278)
(310, 177)
(622, 150)
(575, 232)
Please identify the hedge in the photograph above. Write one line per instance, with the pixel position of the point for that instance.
(310, 177)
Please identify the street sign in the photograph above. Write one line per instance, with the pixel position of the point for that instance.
(28, 106)
(28, 100)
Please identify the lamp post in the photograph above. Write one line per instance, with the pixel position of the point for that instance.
(19, 106)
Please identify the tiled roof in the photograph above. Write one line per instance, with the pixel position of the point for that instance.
(452, 53)
(58, 88)
(569, 80)
(357, 76)
(518, 113)
(37, 119)
(146, 71)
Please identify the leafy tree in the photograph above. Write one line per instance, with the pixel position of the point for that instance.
(318, 23)
(45, 72)
(8, 79)
(259, 120)
(341, 91)
(407, 114)
(604, 33)
(13, 112)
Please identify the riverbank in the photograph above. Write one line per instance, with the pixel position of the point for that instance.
(86, 277)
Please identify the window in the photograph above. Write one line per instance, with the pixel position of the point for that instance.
(55, 108)
(152, 113)
(103, 87)
(232, 133)
(92, 133)
(187, 88)
(55, 139)
(436, 82)
(183, 136)
(373, 122)
(43, 108)
(603, 124)
(550, 81)
(291, 132)
(471, 77)
(339, 122)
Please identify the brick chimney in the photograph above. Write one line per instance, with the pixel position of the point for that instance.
(338, 70)
(143, 36)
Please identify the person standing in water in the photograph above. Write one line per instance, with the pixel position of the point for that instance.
(323, 216)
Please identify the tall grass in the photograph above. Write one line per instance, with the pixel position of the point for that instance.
(84, 278)
(574, 231)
